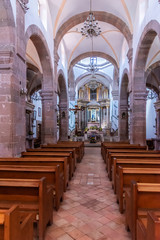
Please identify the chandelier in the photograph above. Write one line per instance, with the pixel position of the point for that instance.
(91, 27)
(92, 67)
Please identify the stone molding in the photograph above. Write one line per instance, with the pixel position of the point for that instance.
(140, 96)
(23, 4)
(6, 57)
(46, 95)
(115, 94)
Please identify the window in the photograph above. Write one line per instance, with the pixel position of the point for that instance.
(93, 94)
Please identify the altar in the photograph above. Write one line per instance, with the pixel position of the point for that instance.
(93, 124)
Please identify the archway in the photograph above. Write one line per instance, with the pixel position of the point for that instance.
(152, 113)
(49, 116)
(123, 108)
(63, 108)
(138, 118)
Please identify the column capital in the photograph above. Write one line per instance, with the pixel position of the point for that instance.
(46, 94)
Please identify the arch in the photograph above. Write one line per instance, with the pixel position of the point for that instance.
(123, 107)
(38, 39)
(151, 30)
(87, 74)
(94, 54)
(153, 72)
(63, 107)
(138, 126)
(100, 16)
(49, 123)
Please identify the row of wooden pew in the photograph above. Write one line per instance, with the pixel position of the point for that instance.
(32, 185)
(135, 175)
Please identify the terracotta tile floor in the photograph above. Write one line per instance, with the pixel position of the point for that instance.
(89, 210)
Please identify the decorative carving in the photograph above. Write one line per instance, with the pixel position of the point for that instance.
(23, 4)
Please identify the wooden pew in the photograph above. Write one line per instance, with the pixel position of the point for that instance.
(52, 174)
(70, 150)
(148, 228)
(132, 163)
(129, 156)
(78, 147)
(34, 161)
(126, 175)
(33, 196)
(74, 143)
(13, 226)
(141, 198)
(53, 155)
(111, 152)
(122, 146)
(112, 145)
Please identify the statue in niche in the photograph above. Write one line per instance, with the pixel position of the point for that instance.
(93, 117)
(63, 114)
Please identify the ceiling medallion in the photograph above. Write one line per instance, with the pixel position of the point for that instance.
(91, 27)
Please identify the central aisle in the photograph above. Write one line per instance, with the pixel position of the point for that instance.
(89, 210)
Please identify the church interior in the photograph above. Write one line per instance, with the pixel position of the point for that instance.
(79, 119)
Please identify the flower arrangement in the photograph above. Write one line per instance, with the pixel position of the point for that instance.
(93, 139)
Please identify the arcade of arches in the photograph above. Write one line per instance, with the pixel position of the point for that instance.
(57, 84)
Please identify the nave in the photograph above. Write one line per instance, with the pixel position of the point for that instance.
(89, 210)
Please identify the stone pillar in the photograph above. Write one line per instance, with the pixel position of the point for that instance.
(138, 118)
(49, 118)
(123, 123)
(12, 84)
(63, 130)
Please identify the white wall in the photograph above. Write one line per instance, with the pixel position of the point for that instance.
(150, 119)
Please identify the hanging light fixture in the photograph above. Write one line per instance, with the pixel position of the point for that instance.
(92, 66)
(91, 27)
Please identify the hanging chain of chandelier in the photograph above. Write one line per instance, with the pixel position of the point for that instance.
(91, 27)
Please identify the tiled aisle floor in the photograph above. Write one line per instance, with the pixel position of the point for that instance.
(89, 210)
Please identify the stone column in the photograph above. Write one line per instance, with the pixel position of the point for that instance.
(138, 118)
(49, 118)
(63, 130)
(123, 125)
(12, 84)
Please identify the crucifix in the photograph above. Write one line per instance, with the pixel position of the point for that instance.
(75, 110)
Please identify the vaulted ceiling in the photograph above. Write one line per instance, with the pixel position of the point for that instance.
(116, 19)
